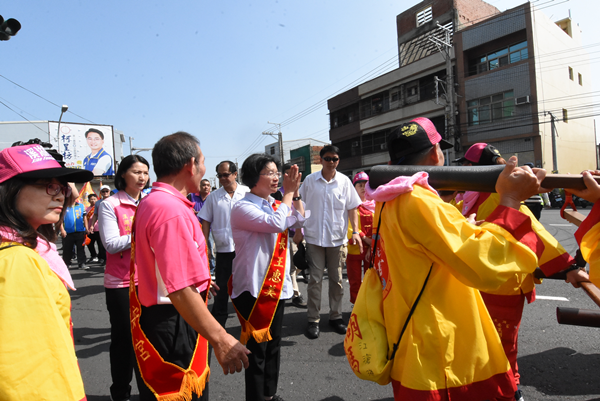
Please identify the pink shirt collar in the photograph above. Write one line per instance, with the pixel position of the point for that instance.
(164, 187)
(48, 251)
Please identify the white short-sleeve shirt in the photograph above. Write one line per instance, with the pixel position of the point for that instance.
(329, 202)
(217, 211)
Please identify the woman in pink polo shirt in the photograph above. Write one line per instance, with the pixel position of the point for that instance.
(115, 216)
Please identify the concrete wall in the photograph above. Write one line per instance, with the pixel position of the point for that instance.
(13, 131)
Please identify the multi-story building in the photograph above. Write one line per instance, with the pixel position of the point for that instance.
(506, 75)
(518, 71)
(362, 117)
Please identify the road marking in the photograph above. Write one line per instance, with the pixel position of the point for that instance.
(561, 225)
(551, 298)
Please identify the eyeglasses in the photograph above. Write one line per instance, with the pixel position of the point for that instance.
(54, 189)
(105, 190)
(331, 159)
(272, 174)
(223, 175)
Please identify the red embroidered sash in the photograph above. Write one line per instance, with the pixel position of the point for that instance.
(166, 380)
(259, 322)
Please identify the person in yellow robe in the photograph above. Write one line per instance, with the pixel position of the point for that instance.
(450, 349)
(37, 354)
(588, 233)
(505, 304)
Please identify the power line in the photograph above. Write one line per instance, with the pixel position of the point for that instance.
(23, 117)
(43, 98)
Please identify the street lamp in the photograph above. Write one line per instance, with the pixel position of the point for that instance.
(137, 150)
(63, 110)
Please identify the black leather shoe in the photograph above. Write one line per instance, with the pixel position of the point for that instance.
(313, 331)
(338, 326)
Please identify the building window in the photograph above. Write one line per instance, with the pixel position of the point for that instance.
(570, 73)
(344, 116)
(272, 150)
(424, 16)
(491, 108)
(565, 116)
(375, 142)
(580, 79)
(375, 104)
(499, 58)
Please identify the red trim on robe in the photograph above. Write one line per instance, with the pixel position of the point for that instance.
(482, 198)
(557, 264)
(496, 387)
(589, 222)
(519, 225)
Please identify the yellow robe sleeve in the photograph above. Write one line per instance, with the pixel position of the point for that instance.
(37, 355)
(553, 259)
(482, 257)
(588, 238)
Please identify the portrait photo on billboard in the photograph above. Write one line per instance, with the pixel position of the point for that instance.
(85, 146)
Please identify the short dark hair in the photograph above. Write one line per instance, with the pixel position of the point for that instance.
(232, 166)
(97, 131)
(329, 149)
(205, 180)
(252, 167)
(172, 152)
(125, 165)
(11, 218)
(90, 196)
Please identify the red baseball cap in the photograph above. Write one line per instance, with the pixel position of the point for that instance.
(480, 153)
(412, 137)
(33, 161)
(360, 177)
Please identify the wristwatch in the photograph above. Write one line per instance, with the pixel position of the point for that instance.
(297, 198)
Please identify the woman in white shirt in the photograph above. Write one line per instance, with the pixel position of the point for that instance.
(261, 269)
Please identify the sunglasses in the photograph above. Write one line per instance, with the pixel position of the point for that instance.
(331, 159)
(223, 175)
(55, 189)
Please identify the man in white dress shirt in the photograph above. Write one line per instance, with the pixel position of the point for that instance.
(332, 200)
(215, 215)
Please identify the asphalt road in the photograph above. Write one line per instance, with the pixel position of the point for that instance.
(556, 362)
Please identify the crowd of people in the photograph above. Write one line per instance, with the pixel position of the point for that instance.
(467, 261)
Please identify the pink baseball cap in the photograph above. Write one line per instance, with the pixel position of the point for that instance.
(419, 134)
(480, 153)
(33, 161)
(360, 177)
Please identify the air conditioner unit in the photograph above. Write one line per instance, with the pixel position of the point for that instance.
(522, 100)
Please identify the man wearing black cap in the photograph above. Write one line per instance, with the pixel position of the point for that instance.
(450, 349)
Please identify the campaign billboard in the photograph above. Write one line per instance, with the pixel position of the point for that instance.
(85, 146)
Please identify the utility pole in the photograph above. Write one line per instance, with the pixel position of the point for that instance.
(279, 138)
(553, 130)
(445, 47)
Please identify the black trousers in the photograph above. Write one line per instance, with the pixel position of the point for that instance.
(101, 249)
(94, 239)
(71, 239)
(262, 375)
(222, 274)
(122, 358)
(173, 338)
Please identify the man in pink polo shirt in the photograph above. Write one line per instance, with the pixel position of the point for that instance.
(174, 278)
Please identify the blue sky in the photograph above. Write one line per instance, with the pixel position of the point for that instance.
(219, 70)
